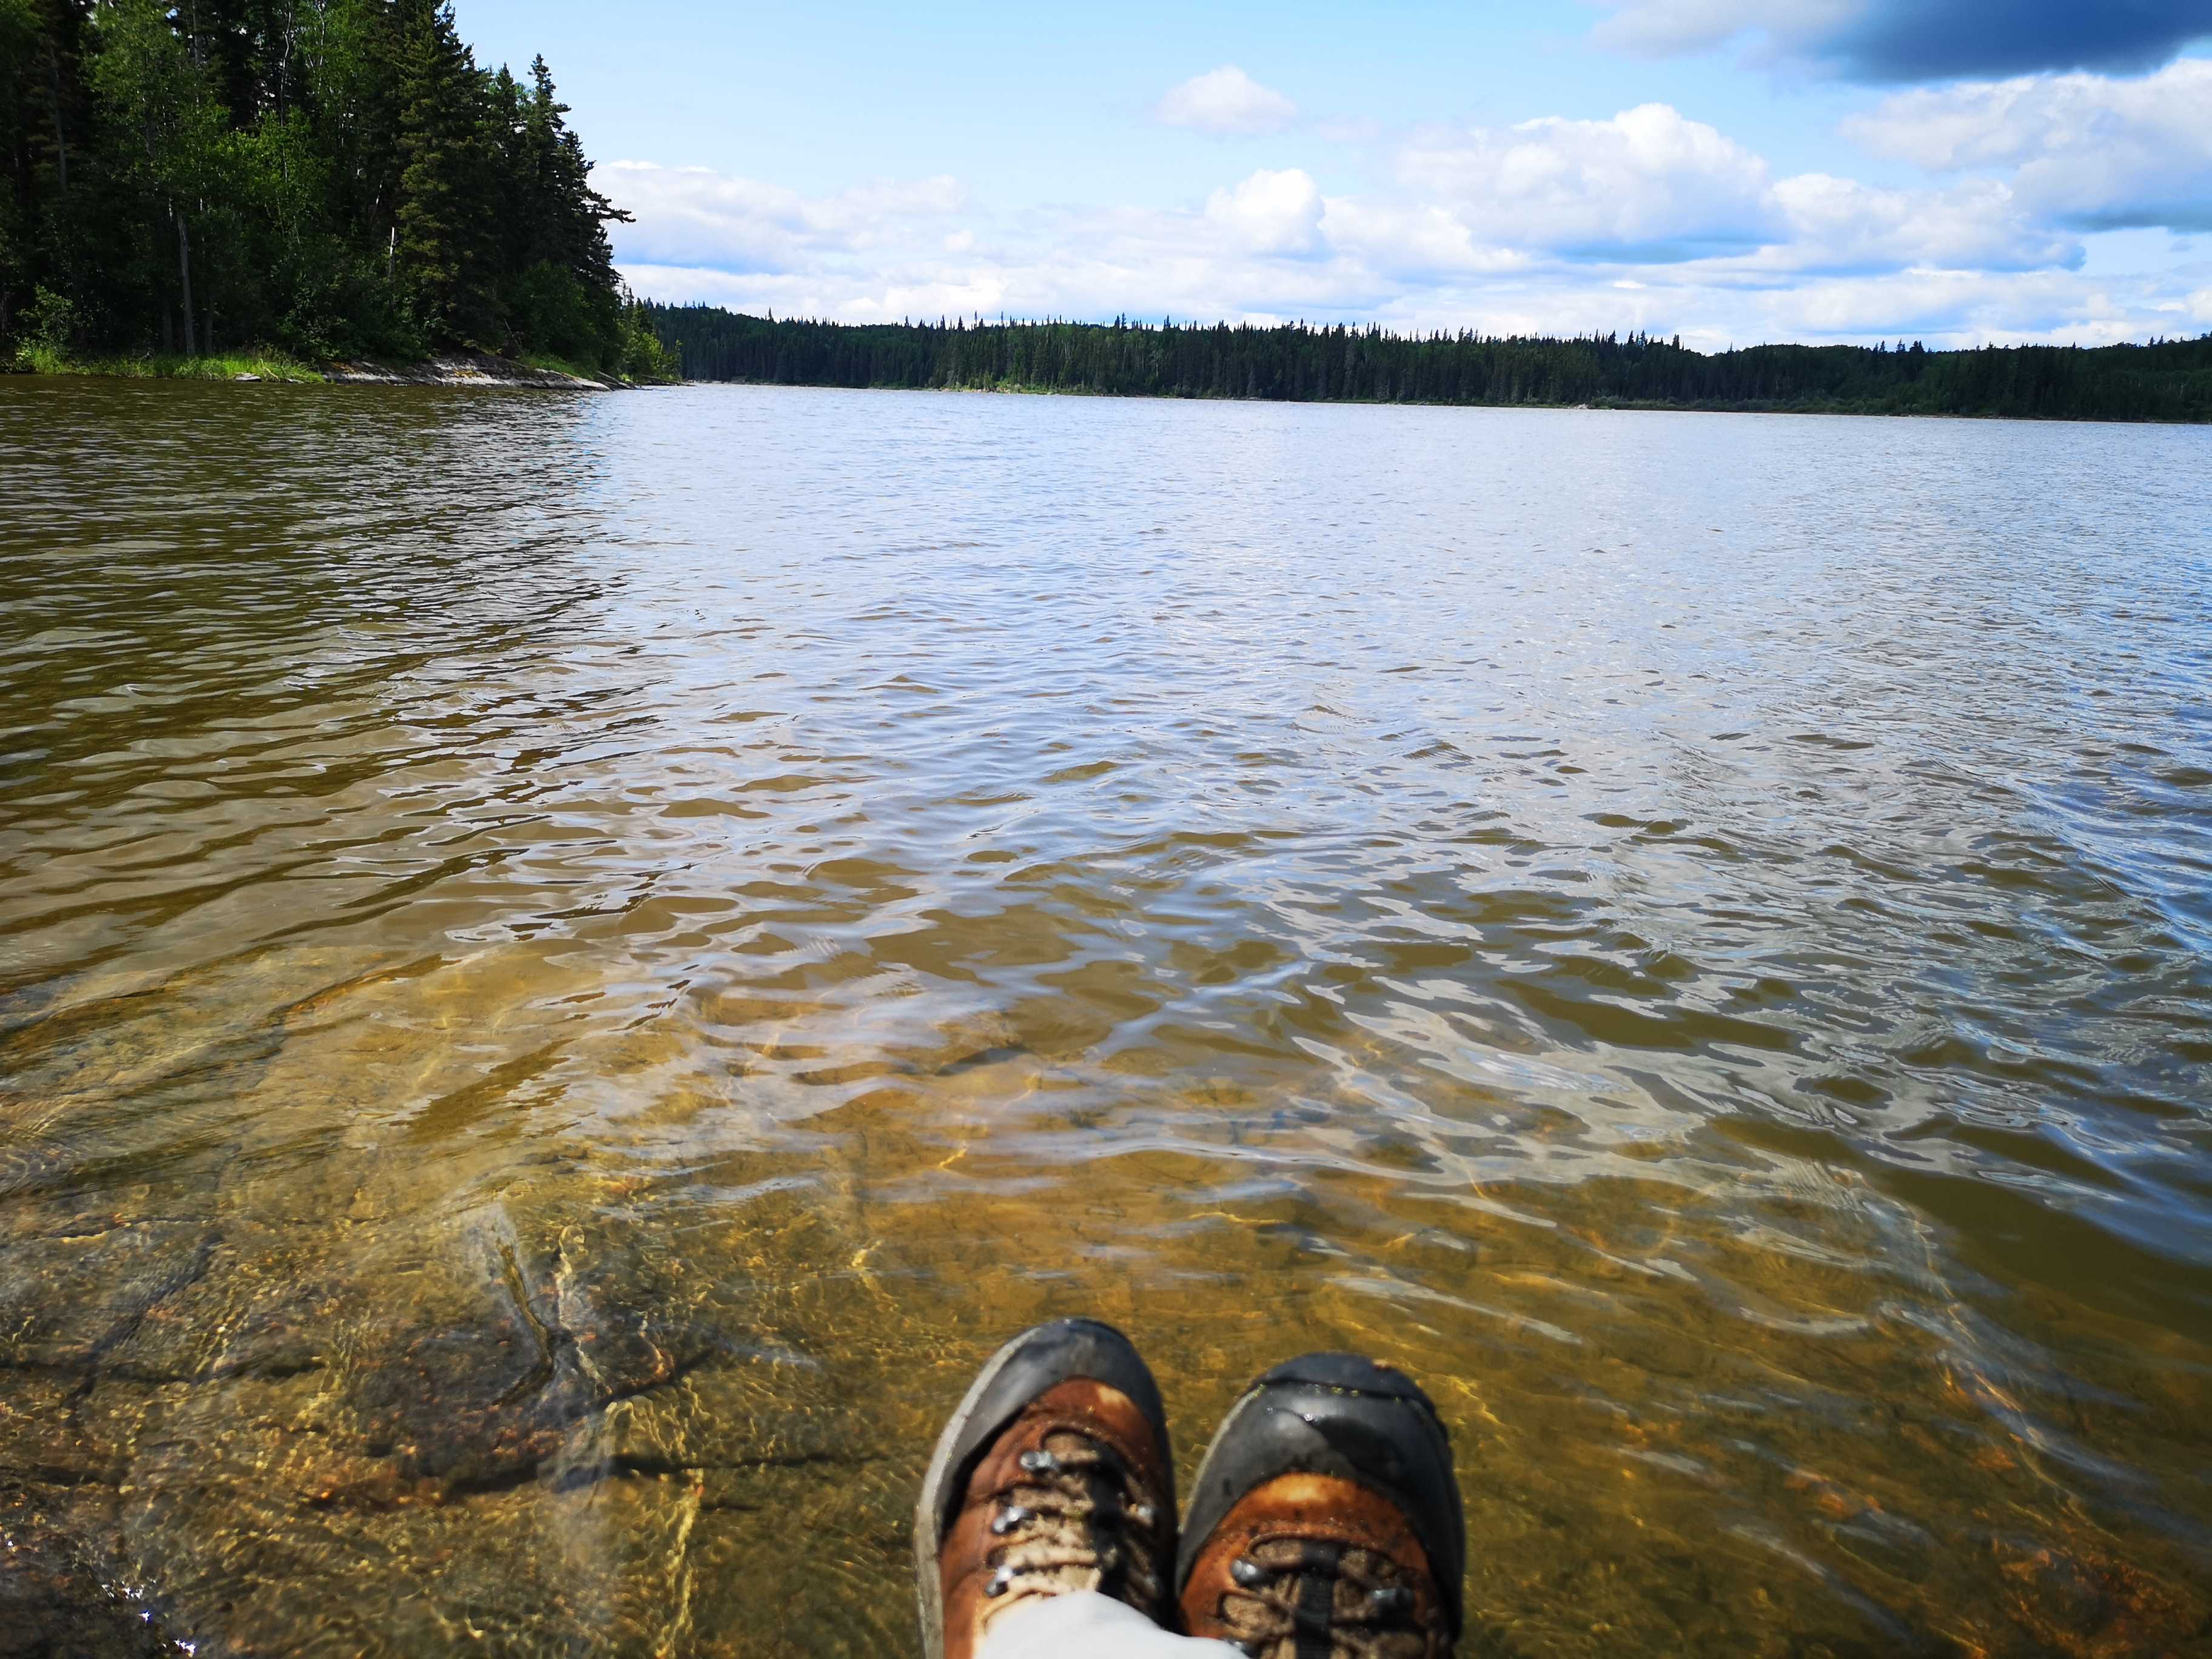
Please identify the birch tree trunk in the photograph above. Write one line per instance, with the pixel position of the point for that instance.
(184, 276)
(54, 98)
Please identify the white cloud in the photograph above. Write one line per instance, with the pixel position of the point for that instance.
(1711, 308)
(1651, 187)
(1841, 224)
(1958, 307)
(2092, 150)
(1225, 260)
(1414, 242)
(1649, 179)
(1648, 221)
(694, 216)
(1270, 212)
(1226, 100)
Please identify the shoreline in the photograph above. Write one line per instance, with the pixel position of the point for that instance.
(470, 368)
(1602, 406)
(455, 368)
(2164, 380)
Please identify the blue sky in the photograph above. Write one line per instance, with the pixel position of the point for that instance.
(1957, 171)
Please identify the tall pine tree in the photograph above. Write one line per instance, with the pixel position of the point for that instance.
(444, 257)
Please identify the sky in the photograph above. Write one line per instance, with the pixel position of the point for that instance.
(1959, 172)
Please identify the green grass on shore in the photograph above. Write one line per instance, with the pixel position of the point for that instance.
(35, 359)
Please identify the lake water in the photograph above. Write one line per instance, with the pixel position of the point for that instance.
(569, 965)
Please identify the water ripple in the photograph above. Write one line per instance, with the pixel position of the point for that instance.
(567, 965)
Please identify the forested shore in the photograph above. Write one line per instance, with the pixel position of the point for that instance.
(285, 183)
(2165, 381)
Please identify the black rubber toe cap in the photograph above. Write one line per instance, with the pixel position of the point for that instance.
(1341, 1415)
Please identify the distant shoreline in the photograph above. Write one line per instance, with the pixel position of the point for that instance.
(1607, 407)
(2168, 381)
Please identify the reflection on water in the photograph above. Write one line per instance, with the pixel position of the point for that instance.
(567, 966)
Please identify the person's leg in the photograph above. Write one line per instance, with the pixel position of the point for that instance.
(1084, 1624)
(1052, 1479)
(1326, 1519)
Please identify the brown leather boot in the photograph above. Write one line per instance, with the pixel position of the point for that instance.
(1326, 1522)
(1053, 1475)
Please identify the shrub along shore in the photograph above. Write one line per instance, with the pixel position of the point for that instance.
(39, 358)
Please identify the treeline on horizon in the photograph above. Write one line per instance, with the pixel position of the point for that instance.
(328, 178)
(2165, 381)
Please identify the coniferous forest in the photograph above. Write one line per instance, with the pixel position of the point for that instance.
(2168, 380)
(327, 177)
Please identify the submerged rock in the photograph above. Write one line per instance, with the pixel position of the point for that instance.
(65, 1301)
(479, 369)
(53, 1601)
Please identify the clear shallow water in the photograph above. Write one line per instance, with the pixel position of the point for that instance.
(568, 966)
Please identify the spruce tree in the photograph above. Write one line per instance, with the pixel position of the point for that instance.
(562, 283)
(444, 214)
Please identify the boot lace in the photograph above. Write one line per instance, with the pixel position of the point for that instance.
(1076, 1519)
(1297, 1597)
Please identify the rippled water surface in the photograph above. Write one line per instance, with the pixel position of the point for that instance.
(569, 965)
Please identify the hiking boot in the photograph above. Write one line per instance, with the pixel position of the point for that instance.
(1053, 1476)
(1325, 1523)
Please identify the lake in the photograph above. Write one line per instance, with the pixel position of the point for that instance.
(570, 965)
